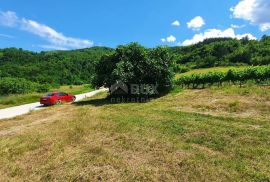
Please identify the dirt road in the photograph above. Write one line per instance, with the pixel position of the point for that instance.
(24, 109)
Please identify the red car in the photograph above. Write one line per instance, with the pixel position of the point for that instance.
(56, 98)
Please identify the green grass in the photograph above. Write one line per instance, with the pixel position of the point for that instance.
(207, 70)
(248, 89)
(95, 140)
(14, 100)
(75, 89)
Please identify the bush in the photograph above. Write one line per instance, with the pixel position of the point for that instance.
(16, 86)
(21, 86)
(43, 88)
(181, 69)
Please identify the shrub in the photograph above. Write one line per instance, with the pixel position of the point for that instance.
(43, 88)
(16, 86)
(181, 69)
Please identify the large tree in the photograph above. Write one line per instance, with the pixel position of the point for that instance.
(134, 64)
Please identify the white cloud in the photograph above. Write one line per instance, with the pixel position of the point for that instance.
(8, 19)
(56, 39)
(6, 36)
(248, 35)
(196, 23)
(215, 33)
(257, 12)
(169, 39)
(176, 23)
(264, 27)
(237, 26)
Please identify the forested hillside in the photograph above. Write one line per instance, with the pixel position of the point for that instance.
(78, 66)
(224, 52)
(55, 67)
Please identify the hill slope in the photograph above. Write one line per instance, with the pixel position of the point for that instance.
(77, 66)
(55, 67)
(194, 135)
(224, 52)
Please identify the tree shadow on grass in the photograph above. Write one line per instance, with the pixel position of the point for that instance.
(122, 99)
(94, 102)
(116, 100)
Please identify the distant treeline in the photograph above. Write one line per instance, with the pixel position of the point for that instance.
(78, 66)
(224, 52)
(53, 67)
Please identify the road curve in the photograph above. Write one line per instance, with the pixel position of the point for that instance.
(24, 109)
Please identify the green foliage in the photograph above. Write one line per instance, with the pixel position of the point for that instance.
(16, 86)
(259, 74)
(55, 67)
(134, 64)
(21, 86)
(224, 52)
(181, 68)
(43, 88)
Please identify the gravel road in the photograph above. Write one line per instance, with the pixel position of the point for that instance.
(24, 109)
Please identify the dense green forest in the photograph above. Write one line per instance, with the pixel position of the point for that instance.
(78, 66)
(224, 52)
(55, 67)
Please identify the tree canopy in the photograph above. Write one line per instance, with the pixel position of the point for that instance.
(134, 64)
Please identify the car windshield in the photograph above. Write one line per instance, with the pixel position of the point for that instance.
(50, 94)
(62, 94)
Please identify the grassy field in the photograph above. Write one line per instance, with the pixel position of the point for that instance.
(14, 100)
(207, 70)
(215, 134)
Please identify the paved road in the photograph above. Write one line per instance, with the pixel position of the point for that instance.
(24, 109)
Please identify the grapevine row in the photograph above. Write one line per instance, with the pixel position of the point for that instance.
(259, 74)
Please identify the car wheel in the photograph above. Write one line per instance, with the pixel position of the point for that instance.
(74, 99)
(58, 102)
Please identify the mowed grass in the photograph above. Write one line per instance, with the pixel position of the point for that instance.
(14, 100)
(163, 140)
(213, 69)
(74, 89)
